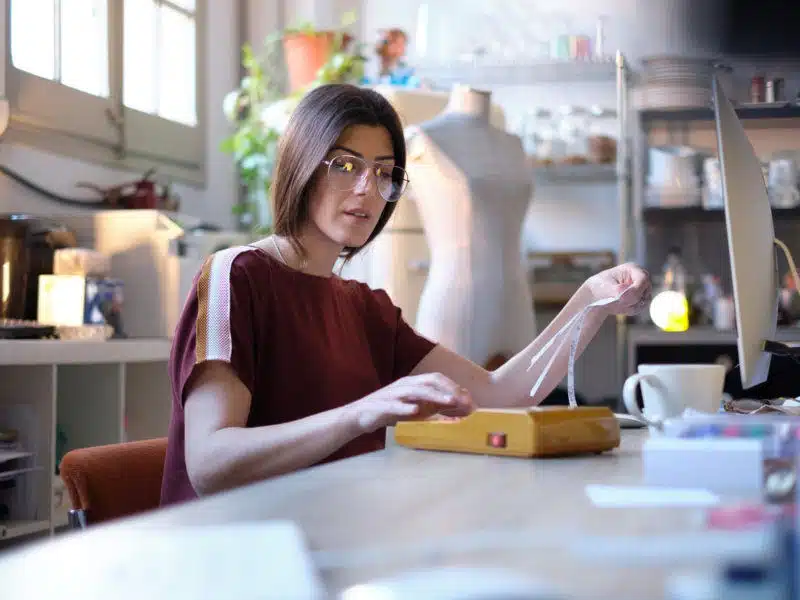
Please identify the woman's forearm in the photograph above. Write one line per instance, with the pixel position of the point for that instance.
(622, 290)
(235, 456)
(512, 382)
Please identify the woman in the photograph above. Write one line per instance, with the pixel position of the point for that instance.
(278, 364)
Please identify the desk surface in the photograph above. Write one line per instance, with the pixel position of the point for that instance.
(399, 497)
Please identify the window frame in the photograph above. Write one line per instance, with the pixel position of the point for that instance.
(55, 118)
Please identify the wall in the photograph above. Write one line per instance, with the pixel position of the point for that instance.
(563, 217)
(212, 202)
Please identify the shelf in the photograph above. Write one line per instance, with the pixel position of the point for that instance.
(17, 472)
(519, 73)
(12, 529)
(48, 352)
(566, 174)
(654, 215)
(7, 455)
(780, 110)
(649, 335)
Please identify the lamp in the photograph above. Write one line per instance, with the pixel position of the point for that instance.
(669, 310)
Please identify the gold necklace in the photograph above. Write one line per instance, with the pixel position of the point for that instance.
(303, 264)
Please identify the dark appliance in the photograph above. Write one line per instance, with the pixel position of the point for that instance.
(27, 248)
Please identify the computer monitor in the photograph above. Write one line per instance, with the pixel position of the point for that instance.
(751, 244)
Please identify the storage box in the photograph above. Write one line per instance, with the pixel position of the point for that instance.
(741, 455)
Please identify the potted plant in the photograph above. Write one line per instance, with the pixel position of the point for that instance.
(260, 108)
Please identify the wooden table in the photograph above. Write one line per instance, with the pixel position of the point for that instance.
(402, 498)
(376, 514)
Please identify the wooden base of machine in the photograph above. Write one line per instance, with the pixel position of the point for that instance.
(524, 432)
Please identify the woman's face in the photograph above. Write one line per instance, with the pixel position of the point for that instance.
(346, 202)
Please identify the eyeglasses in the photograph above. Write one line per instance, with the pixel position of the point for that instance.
(345, 172)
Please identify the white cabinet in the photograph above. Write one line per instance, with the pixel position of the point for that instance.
(91, 393)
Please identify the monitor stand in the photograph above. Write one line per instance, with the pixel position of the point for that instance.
(791, 349)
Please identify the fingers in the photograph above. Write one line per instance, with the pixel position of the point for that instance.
(402, 409)
(642, 303)
(440, 382)
(639, 277)
(445, 385)
(437, 389)
(638, 292)
(419, 392)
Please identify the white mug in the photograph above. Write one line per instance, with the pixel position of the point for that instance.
(668, 390)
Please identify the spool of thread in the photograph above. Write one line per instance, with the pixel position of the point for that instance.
(724, 315)
(774, 91)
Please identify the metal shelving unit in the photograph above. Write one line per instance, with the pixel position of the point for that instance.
(779, 110)
(655, 215)
(781, 115)
(778, 115)
(624, 186)
(518, 73)
(588, 173)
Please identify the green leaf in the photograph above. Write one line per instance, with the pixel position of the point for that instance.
(254, 161)
(228, 145)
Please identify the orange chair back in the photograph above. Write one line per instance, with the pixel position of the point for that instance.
(116, 480)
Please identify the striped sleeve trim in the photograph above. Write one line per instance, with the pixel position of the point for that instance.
(214, 340)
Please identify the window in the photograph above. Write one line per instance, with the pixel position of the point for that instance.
(114, 81)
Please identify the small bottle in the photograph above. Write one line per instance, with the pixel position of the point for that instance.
(707, 297)
(599, 40)
(674, 272)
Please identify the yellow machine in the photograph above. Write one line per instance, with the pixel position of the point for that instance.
(526, 432)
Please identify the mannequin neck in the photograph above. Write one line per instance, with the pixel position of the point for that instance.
(467, 101)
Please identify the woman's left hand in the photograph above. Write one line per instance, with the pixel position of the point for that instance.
(629, 280)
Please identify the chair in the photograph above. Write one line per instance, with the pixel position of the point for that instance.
(113, 481)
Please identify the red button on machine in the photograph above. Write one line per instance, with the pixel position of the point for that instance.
(497, 440)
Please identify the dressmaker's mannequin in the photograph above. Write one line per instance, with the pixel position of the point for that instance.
(472, 186)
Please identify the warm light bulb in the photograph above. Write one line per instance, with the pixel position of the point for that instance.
(669, 310)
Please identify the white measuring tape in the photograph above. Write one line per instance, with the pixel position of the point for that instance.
(563, 333)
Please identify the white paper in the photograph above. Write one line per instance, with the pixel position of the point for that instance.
(643, 496)
(265, 560)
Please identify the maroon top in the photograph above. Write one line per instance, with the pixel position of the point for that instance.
(302, 344)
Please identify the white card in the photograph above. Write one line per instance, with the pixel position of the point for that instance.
(642, 496)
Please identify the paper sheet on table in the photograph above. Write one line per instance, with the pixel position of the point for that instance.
(265, 560)
(618, 496)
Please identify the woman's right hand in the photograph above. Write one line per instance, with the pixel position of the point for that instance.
(411, 398)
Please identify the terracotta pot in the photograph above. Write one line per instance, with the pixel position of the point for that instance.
(306, 54)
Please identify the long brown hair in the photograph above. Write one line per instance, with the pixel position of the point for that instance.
(315, 125)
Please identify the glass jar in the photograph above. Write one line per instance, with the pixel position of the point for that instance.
(601, 140)
(534, 123)
(574, 126)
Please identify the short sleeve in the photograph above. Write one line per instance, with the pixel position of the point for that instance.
(216, 323)
(409, 347)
